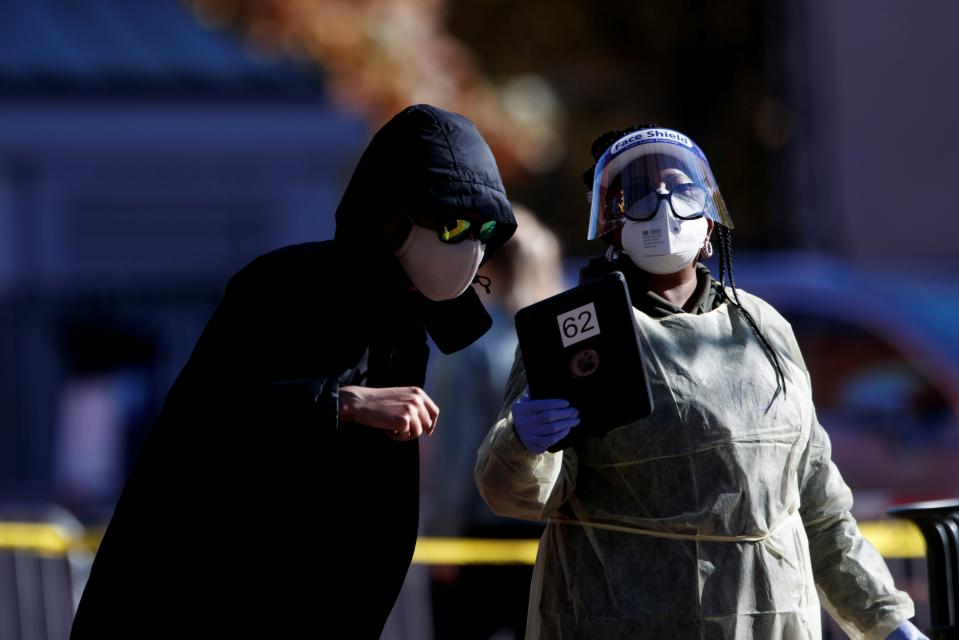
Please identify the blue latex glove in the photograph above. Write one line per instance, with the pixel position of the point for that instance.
(542, 423)
(907, 631)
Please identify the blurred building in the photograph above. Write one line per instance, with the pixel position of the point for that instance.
(143, 159)
(868, 132)
(863, 145)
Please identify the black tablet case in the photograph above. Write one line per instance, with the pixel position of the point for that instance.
(582, 345)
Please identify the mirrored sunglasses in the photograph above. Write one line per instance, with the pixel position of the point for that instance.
(456, 230)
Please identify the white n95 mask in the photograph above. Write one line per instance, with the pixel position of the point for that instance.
(664, 244)
(439, 270)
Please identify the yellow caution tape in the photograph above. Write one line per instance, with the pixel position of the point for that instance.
(893, 539)
(39, 538)
(90, 539)
(474, 551)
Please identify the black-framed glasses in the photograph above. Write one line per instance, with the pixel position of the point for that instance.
(687, 202)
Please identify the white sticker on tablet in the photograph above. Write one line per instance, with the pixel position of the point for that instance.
(578, 324)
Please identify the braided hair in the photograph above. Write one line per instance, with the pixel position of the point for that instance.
(725, 245)
(726, 271)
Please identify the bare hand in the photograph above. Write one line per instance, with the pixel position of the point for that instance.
(404, 413)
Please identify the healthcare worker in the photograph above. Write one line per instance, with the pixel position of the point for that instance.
(278, 493)
(721, 515)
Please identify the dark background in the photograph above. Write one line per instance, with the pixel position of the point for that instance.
(148, 150)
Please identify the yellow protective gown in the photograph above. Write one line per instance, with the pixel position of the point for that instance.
(719, 516)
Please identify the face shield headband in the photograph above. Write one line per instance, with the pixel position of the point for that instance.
(645, 167)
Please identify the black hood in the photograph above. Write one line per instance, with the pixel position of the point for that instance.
(427, 161)
(432, 163)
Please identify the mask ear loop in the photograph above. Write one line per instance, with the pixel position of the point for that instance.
(484, 282)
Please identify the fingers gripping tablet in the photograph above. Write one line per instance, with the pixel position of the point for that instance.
(582, 345)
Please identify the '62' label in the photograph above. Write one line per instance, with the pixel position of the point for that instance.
(578, 324)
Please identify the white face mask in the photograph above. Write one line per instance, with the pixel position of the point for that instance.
(664, 244)
(439, 270)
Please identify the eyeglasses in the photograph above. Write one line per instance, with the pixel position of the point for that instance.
(687, 201)
(457, 230)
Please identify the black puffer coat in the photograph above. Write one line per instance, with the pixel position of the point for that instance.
(251, 512)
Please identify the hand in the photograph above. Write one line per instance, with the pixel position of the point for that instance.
(542, 423)
(906, 631)
(404, 413)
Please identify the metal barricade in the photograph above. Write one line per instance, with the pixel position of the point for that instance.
(938, 522)
(41, 567)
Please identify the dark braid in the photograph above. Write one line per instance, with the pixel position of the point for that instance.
(726, 269)
(723, 253)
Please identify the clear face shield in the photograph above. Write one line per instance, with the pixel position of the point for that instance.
(646, 167)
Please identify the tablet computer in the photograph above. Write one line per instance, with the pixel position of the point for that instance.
(582, 345)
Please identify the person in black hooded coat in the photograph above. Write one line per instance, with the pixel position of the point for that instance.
(260, 504)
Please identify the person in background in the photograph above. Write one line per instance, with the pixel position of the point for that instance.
(469, 386)
(278, 493)
(721, 515)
